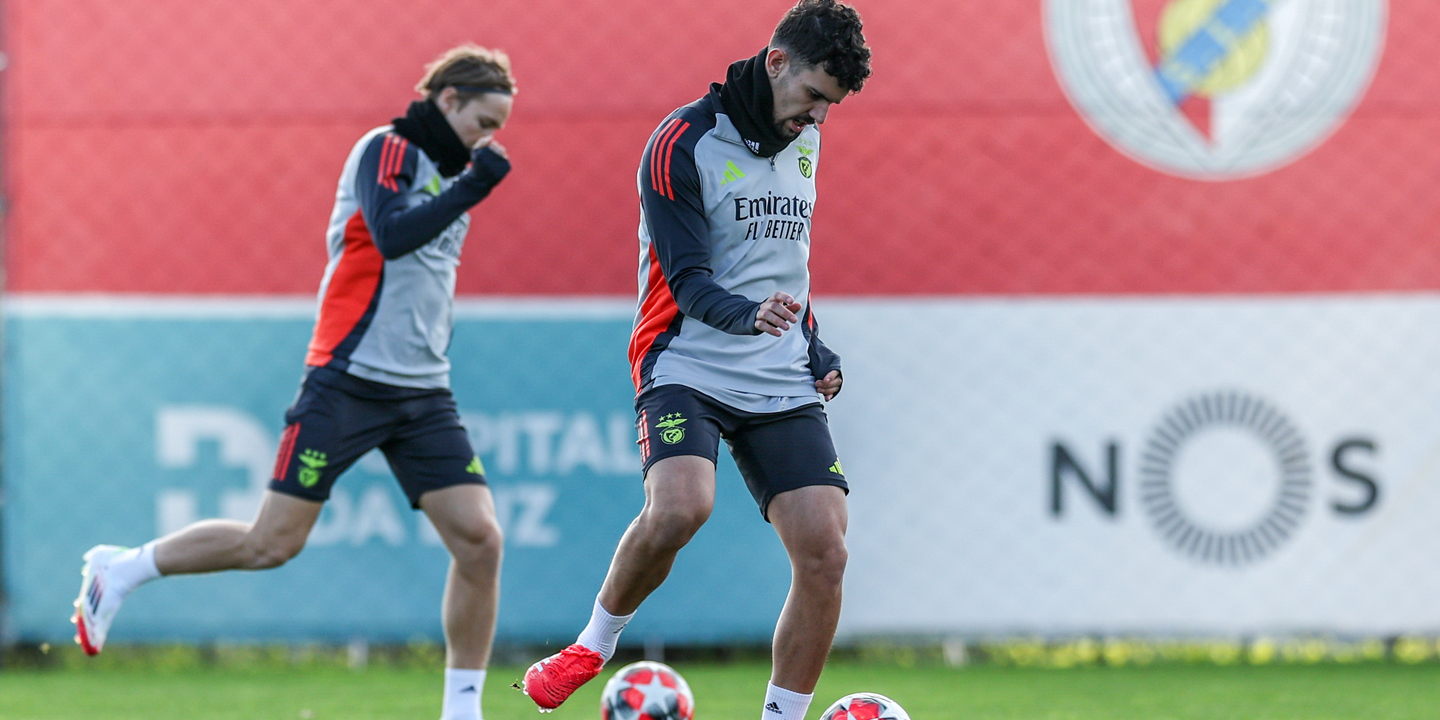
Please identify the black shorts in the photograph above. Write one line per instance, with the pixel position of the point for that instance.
(776, 452)
(338, 417)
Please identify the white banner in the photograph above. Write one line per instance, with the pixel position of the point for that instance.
(1170, 465)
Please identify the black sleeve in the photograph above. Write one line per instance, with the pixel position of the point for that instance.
(680, 234)
(823, 360)
(386, 173)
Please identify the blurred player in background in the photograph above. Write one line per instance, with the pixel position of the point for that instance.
(377, 374)
(725, 346)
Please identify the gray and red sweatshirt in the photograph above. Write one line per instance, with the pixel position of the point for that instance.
(722, 229)
(386, 301)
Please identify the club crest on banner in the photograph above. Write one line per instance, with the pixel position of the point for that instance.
(1215, 89)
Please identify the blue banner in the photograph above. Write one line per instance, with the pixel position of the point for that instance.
(119, 428)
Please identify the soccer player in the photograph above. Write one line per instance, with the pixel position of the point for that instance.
(725, 346)
(377, 374)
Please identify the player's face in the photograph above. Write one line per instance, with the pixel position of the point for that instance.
(475, 121)
(803, 93)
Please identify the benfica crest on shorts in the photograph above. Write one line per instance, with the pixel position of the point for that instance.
(1215, 89)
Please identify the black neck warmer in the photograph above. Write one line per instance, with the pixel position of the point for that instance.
(427, 127)
(748, 100)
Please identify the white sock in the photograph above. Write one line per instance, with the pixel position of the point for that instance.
(462, 694)
(781, 704)
(603, 632)
(132, 568)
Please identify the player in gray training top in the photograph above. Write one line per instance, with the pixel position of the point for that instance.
(727, 192)
(377, 374)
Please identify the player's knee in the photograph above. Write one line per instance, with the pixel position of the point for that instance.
(479, 543)
(273, 552)
(823, 562)
(672, 526)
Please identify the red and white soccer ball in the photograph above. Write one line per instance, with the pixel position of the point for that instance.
(865, 706)
(647, 691)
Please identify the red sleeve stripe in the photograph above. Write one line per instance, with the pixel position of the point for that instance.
(657, 160)
(657, 152)
(401, 145)
(669, 149)
(384, 163)
(654, 144)
(392, 160)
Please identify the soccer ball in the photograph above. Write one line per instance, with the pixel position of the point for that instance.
(647, 691)
(865, 706)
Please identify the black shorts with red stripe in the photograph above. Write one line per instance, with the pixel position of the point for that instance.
(339, 417)
(776, 452)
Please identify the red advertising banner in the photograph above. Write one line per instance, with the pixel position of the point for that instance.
(1036, 147)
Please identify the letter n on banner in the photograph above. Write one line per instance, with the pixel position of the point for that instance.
(1062, 462)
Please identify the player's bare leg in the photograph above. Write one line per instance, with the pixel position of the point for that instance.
(111, 573)
(811, 523)
(464, 516)
(277, 535)
(679, 494)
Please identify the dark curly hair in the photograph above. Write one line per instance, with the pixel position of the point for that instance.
(826, 33)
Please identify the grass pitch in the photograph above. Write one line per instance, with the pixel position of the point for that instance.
(734, 692)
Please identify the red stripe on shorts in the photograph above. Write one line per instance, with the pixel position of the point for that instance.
(644, 441)
(287, 451)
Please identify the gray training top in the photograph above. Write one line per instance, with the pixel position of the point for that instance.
(394, 240)
(721, 230)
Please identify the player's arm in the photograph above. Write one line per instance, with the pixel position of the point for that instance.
(679, 234)
(824, 363)
(386, 173)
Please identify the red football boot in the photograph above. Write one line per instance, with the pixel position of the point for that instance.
(552, 680)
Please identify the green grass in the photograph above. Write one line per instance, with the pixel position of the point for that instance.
(1377, 691)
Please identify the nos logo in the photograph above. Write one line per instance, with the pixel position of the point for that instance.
(1225, 478)
(1215, 89)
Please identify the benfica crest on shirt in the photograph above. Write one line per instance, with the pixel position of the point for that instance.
(1215, 89)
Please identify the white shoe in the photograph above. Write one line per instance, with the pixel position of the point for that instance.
(96, 607)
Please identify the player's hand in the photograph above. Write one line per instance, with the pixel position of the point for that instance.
(490, 143)
(829, 386)
(776, 314)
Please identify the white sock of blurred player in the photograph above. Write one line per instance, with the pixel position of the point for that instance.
(462, 694)
(781, 704)
(603, 632)
(110, 573)
(129, 569)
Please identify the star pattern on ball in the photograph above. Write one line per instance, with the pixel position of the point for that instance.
(865, 706)
(647, 691)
